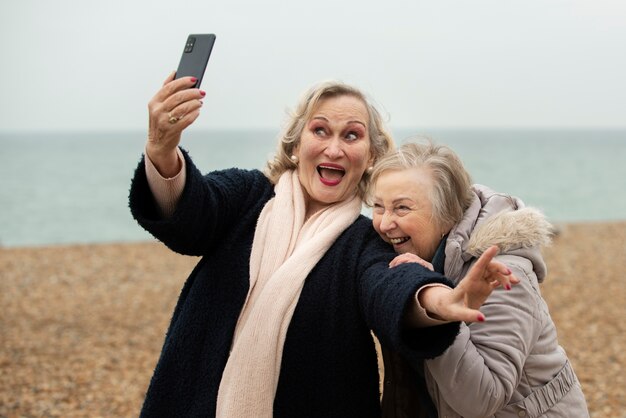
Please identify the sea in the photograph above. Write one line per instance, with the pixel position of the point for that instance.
(72, 187)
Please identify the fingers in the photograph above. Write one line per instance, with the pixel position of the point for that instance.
(174, 107)
(169, 77)
(168, 121)
(496, 267)
(473, 315)
(494, 284)
(486, 257)
(495, 272)
(464, 314)
(397, 261)
(499, 274)
(410, 258)
(182, 111)
(172, 86)
(480, 270)
(185, 119)
(183, 102)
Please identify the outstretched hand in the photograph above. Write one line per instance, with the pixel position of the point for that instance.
(462, 302)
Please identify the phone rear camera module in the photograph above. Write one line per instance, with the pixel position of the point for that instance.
(190, 43)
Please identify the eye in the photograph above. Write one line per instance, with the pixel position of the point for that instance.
(378, 209)
(319, 130)
(402, 210)
(352, 136)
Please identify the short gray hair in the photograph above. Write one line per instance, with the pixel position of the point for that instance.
(380, 140)
(451, 194)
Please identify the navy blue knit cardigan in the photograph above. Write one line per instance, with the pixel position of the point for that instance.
(329, 366)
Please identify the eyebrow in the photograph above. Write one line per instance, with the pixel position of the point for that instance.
(396, 200)
(349, 122)
(402, 199)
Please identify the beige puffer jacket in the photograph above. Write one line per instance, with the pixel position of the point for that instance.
(511, 365)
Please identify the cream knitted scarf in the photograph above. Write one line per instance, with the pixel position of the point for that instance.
(286, 247)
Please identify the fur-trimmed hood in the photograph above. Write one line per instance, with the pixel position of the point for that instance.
(497, 219)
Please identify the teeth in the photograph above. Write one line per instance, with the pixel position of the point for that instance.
(331, 168)
(397, 241)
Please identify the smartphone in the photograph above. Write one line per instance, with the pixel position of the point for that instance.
(195, 56)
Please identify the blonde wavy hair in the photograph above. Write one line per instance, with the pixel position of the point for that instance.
(380, 140)
(451, 194)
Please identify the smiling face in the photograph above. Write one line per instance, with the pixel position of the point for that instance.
(334, 151)
(402, 212)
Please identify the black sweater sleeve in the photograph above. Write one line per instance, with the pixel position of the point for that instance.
(210, 208)
(386, 294)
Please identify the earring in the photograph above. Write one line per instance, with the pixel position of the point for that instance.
(294, 159)
(369, 169)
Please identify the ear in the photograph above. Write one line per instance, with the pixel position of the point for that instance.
(371, 161)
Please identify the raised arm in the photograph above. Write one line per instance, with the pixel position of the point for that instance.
(210, 206)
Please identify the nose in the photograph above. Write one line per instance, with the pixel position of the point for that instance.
(334, 148)
(387, 222)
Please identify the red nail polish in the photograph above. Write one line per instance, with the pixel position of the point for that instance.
(194, 79)
(481, 318)
(202, 93)
(507, 286)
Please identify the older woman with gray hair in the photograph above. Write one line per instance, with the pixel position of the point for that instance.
(509, 366)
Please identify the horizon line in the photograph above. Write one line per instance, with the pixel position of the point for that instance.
(265, 128)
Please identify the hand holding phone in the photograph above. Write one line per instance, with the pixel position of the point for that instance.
(195, 57)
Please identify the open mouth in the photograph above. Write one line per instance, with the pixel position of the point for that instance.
(330, 174)
(398, 241)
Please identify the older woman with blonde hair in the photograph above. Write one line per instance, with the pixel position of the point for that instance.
(275, 319)
(425, 206)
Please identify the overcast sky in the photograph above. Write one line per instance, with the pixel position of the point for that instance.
(87, 65)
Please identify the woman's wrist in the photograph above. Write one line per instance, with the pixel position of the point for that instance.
(167, 162)
(430, 298)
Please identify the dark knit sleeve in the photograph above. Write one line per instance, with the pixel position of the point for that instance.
(386, 294)
(210, 207)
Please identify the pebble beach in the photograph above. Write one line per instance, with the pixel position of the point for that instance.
(81, 327)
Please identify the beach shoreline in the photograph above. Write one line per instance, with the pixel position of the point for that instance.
(82, 325)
